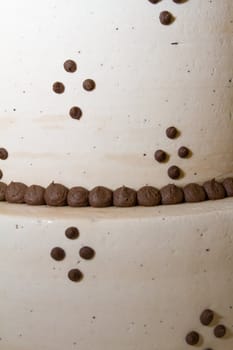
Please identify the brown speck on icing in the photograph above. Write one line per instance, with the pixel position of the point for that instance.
(194, 193)
(171, 194)
(171, 132)
(100, 197)
(78, 197)
(192, 338)
(214, 190)
(87, 253)
(15, 192)
(174, 172)
(58, 87)
(34, 195)
(166, 18)
(58, 254)
(56, 195)
(124, 197)
(3, 154)
(76, 113)
(3, 187)
(89, 85)
(72, 232)
(148, 196)
(154, 1)
(160, 156)
(75, 275)
(70, 66)
(220, 331)
(1, 174)
(207, 316)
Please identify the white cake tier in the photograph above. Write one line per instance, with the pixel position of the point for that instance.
(154, 272)
(148, 77)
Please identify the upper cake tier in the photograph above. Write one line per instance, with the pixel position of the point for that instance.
(147, 76)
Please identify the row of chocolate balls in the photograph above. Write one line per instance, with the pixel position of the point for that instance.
(99, 197)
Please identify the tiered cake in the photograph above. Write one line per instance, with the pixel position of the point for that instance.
(116, 158)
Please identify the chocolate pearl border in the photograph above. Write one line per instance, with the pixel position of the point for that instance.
(179, 187)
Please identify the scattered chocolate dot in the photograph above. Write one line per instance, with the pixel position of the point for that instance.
(214, 190)
(194, 193)
(34, 195)
(183, 152)
(192, 338)
(78, 197)
(179, 1)
(148, 196)
(160, 156)
(174, 172)
(15, 192)
(70, 66)
(56, 195)
(89, 84)
(206, 317)
(3, 154)
(76, 113)
(3, 187)
(58, 254)
(154, 1)
(125, 197)
(228, 185)
(166, 18)
(1, 174)
(171, 132)
(172, 194)
(75, 275)
(72, 232)
(100, 197)
(87, 253)
(219, 331)
(58, 87)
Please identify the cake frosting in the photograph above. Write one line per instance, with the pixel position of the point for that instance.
(116, 168)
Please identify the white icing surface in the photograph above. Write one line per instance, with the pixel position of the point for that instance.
(151, 277)
(144, 85)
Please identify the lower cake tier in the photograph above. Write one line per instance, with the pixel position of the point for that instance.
(119, 279)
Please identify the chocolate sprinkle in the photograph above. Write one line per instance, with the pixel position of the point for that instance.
(3, 188)
(174, 172)
(172, 194)
(55, 195)
(220, 331)
(1, 174)
(15, 192)
(148, 196)
(70, 66)
(78, 197)
(72, 232)
(166, 18)
(207, 317)
(34, 195)
(100, 197)
(160, 156)
(183, 152)
(124, 197)
(194, 193)
(76, 113)
(87, 253)
(192, 338)
(214, 190)
(228, 185)
(58, 87)
(58, 254)
(3, 154)
(154, 1)
(171, 132)
(75, 275)
(89, 85)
